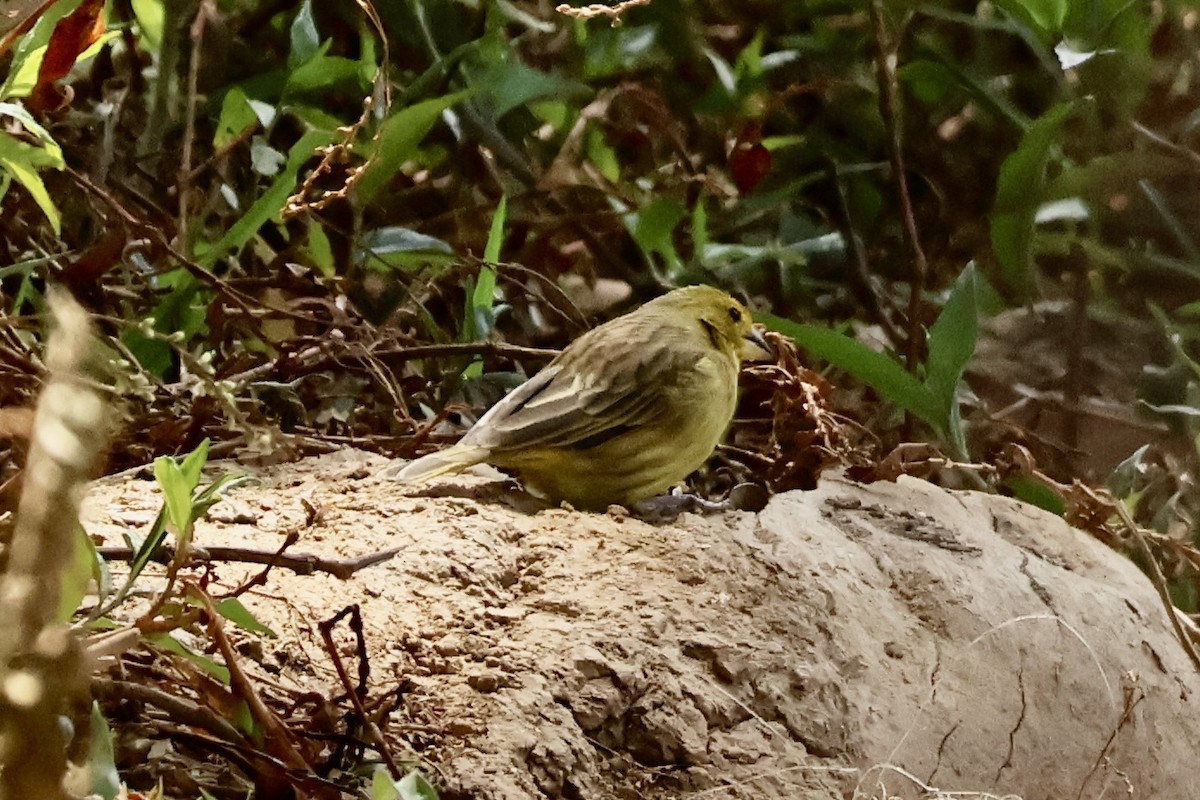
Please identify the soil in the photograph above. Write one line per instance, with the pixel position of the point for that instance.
(869, 641)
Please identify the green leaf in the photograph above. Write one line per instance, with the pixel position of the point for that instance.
(1127, 475)
(75, 575)
(213, 493)
(876, 370)
(382, 785)
(319, 249)
(1036, 493)
(144, 554)
(102, 763)
(480, 309)
(653, 228)
(1019, 193)
(193, 463)
(37, 190)
(165, 641)
(150, 16)
(511, 84)
(177, 493)
(491, 252)
(236, 116)
(951, 345)
(232, 609)
(271, 202)
(1044, 16)
(413, 786)
(305, 40)
(397, 143)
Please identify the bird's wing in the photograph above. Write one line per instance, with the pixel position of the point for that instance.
(598, 389)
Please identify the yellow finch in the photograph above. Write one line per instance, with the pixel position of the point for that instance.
(624, 412)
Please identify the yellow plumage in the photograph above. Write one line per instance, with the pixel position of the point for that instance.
(624, 412)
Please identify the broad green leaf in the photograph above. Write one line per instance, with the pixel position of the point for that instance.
(305, 40)
(397, 143)
(232, 609)
(877, 370)
(1019, 193)
(102, 765)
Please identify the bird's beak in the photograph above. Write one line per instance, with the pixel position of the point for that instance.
(755, 346)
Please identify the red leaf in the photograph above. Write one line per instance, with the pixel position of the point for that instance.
(73, 34)
(750, 161)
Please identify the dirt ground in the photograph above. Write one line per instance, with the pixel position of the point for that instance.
(879, 641)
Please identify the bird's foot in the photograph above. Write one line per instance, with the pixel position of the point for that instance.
(668, 507)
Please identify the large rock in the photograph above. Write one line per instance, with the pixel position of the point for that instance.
(876, 640)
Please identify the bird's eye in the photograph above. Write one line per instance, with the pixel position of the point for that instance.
(735, 314)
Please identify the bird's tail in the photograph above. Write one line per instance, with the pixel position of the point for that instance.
(452, 459)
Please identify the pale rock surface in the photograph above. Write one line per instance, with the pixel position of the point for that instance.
(851, 641)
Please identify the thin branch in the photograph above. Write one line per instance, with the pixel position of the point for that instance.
(300, 563)
(889, 109)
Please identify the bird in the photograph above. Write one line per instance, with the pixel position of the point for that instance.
(626, 411)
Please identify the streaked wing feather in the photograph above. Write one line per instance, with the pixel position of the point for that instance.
(559, 408)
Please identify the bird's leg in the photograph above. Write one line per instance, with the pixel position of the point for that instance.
(667, 507)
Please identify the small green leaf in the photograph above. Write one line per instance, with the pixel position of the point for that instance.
(382, 785)
(413, 786)
(318, 248)
(102, 764)
(75, 575)
(232, 609)
(177, 493)
(491, 251)
(397, 143)
(951, 345)
(145, 552)
(511, 84)
(270, 202)
(1020, 189)
(305, 40)
(653, 228)
(193, 463)
(1044, 16)
(150, 16)
(1127, 475)
(165, 641)
(1036, 493)
(236, 116)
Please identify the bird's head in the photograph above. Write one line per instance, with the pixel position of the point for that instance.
(724, 319)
